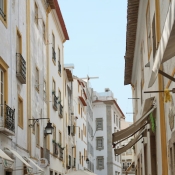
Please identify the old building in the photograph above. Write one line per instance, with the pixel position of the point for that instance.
(107, 120)
(149, 69)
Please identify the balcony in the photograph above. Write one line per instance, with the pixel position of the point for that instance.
(55, 101)
(59, 67)
(55, 149)
(60, 111)
(2, 14)
(7, 120)
(61, 153)
(53, 54)
(47, 154)
(20, 68)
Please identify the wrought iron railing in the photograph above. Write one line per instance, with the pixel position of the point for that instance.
(53, 54)
(60, 153)
(2, 14)
(55, 101)
(55, 149)
(69, 160)
(59, 67)
(20, 68)
(47, 154)
(60, 110)
(7, 117)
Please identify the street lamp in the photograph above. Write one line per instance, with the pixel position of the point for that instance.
(48, 128)
(87, 160)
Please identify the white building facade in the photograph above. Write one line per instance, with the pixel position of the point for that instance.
(107, 119)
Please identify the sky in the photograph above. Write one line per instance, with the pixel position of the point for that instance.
(97, 32)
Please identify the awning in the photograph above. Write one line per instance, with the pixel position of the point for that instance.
(39, 169)
(29, 168)
(149, 106)
(130, 144)
(82, 101)
(166, 48)
(6, 160)
(80, 172)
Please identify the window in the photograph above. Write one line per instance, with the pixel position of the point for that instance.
(20, 112)
(116, 120)
(37, 79)
(51, 172)
(18, 42)
(148, 25)
(154, 36)
(59, 61)
(99, 124)
(81, 113)
(60, 138)
(3, 4)
(37, 134)
(79, 132)
(59, 97)
(2, 92)
(114, 117)
(54, 133)
(100, 162)
(44, 90)
(99, 143)
(79, 108)
(53, 86)
(33, 129)
(119, 123)
(44, 30)
(68, 130)
(36, 14)
(53, 48)
(80, 157)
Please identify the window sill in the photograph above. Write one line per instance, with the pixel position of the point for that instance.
(38, 146)
(3, 21)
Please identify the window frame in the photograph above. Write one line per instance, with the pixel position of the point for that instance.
(102, 142)
(97, 121)
(102, 159)
(4, 21)
(20, 121)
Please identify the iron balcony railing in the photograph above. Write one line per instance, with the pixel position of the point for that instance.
(53, 54)
(7, 117)
(61, 153)
(2, 14)
(59, 67)
(47, 154)
(60, 110)
(55, 149)
(55, 102)
(20, 68)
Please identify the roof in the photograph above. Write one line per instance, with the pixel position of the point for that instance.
(69, 74)
(61, 20)
(132, 16)
(113, 101)
(82, 101)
